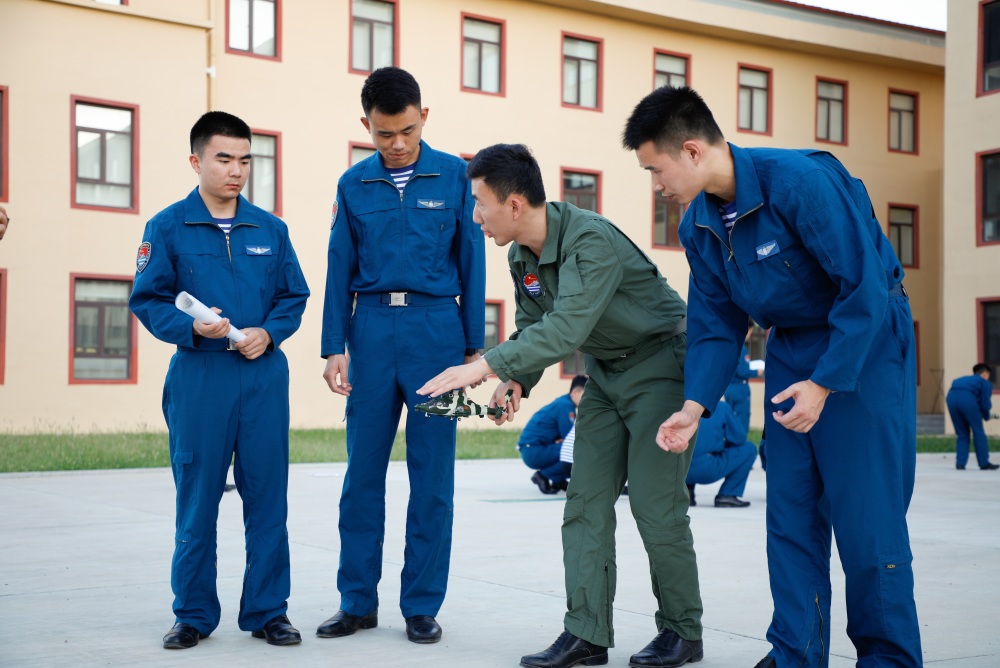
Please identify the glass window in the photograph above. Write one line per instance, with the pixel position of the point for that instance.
(902, 122)
(991, 339)
(359, 153)
(667, 216)
(102, 330)
(494, 324)
(574, 365)
(581, 190)
(103, 170)
(481, 55)
(253, 26)
(3, 143)
(671, 70)
(830, 98)
(991, 46)
(372, 36)
(580, 72)
(990, 167)
(754, 92)
(262, 186)
(902, 233)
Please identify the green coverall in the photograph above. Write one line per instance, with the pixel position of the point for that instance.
(592, 289)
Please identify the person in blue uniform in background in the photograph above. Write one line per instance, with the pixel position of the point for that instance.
(804, 255)
(722, 451)
(541, 440)
(222, 400)
(402, 248)
(970, 401)
(737, 395)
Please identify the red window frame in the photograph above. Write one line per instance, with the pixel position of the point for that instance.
(839, 82)
(503, 54)
(133, 363)
(4, 135)
(277, 35)
(916, 121)
(350, 36)
(3, 323)
(981, 44)
(277, 167)
(916, 230)
(583, 365)
(357, 144)
(770, 98)
(979, 199)
(981, 344)
(687, 66)
(657, 198)
(134, 108)
(575, 170)
(501, 329)
(600, 70)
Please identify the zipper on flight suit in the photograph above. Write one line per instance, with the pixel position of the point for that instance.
(729, 246)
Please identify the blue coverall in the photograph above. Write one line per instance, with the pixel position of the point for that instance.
(722, 451)
(217, 403)
(970, 401)
(738, 393)
(542, 437)
(808, 257)
(422, 242)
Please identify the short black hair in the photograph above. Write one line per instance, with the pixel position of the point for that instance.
(578, 381)
(390, 90)
(509, 169)
(669, 117)
(217, 123)
(981, 367)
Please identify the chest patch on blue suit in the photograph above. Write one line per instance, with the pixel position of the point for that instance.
(768, 249)
(258, 250)
(430, 203)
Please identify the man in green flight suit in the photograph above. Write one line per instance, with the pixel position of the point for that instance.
(582, 284)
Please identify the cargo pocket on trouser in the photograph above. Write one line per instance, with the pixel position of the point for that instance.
(589, 560)
(899, 612)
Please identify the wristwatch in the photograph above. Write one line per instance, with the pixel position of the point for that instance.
(473, 351)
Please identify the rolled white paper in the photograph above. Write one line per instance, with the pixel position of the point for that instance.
(756, 365)
(202, 313)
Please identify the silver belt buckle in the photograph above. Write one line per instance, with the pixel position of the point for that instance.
(231, 345)
(397, 299)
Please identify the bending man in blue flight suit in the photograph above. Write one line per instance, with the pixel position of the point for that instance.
(722, 451)
(737, 395)
(221, 400)
(402, 247)
(970, 401)
(806, 256)
(541, 440)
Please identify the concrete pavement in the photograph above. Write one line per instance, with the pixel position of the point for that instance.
(85, 573)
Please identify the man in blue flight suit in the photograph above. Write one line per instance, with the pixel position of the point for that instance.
(223, 399)
(541, 440)
(722, 451)
(737, 395)
(806, 256)
(402, 247)
(970, 401)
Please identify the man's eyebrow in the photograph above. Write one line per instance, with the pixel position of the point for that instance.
(392, 132)
(228, 156)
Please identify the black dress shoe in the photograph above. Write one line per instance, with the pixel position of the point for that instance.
(544, 486)
(566, 651)
(959, 467)
(561, 486)
(691, 495)
(422, 629)
(667, 650)
(228, 488)
(343, 624)
(990, 467)
(766, 662)
(181, 636)
(730, 502)
(279, 631)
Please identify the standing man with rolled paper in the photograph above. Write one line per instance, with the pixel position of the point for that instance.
(222, 398)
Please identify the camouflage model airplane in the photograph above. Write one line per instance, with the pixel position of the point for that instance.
(454, 405)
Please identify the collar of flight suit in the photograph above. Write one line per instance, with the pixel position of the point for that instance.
(427, 164)
(196, 212)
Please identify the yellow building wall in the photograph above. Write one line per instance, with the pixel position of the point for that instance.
(67, 47)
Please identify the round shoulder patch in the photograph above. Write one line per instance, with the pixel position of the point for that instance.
(333, 214)
(532, 285)
(142, 257)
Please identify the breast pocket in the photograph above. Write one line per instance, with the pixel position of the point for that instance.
(197, 269)
(788, 284)
(376, 227)
(432, 224)
(257, 265)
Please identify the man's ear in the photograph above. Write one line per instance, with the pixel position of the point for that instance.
(517, 204)
(364, 122)
(195, 163)
(693, 150)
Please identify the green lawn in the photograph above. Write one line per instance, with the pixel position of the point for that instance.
(66, 452)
